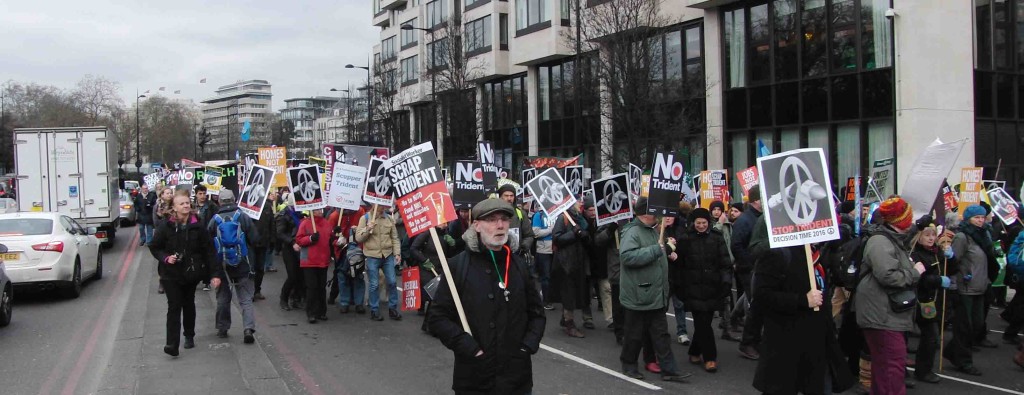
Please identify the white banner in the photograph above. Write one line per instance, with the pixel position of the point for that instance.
(928, 173)
(346, 186)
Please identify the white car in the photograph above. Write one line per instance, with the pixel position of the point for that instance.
(49, 251)
(8, 205)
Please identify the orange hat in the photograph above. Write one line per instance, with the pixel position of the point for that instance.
(897, 213)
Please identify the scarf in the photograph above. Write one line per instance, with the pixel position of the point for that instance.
(984, 240)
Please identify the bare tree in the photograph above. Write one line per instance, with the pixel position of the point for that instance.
(383, 91)
(97, 96)
(453, 73)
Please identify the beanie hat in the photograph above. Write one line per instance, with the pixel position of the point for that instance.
(738, 206)
(897, 213)
(847, 206)
(700, 212)
(717, 204)
(973, 211)
(507, 188)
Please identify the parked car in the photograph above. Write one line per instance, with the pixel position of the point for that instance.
(49, 251)
(6, 291)
(127, 209)
(132, 187)
(8, 205)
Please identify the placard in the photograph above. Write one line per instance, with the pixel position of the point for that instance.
(378, 185)
(411, 298)
(255, 189)
(635, 172)
(469, 185)
(1003, 205)
(852, 189)
(304, 182)
(881, 180)
(151, 180)
(747, 179)
(527, 175)
(549, 190)
(611, 198)
(420, 194)
(346, 186)
(714, 186)
(275, 158)
(666, 185)
(970, 187)
(949, 199)
(485, 155)
(573, 176)
(800, 207)
(212, 179)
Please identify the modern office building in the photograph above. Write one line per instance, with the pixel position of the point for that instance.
(225, 114)
(863, 79)
(346, 123)
(303, 112)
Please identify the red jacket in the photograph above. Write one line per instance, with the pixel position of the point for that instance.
(315, 255)
(348, 222)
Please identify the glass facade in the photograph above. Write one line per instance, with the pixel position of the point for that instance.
(568, 106)
(478, 36)
(809, 73)
(504, 119)
(999, 89)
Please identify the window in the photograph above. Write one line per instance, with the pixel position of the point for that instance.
(814, 31)
(786, 36)
(760, 54)
(470, 4)
(410, 69)
(844, 35)
(437, 13)
(478, 36)
(735, 42)
(530, 13)
(387, 49)
(438, 53)
(503, 31)
(876, 34)
(409, 37)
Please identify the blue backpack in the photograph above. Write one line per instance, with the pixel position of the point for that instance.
(1014, 263)
(230, 240)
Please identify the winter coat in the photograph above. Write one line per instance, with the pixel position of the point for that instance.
(929, 287)
(423, 249)
(605, 243)
(741, 235)
(347, 225)
(193, 242)
(286, 225)
(726, 230)
(598, 256)
(799, 343)
(265, 228)
(886, 268)
(207, 210)
(318, 254)
(144, 206)
(542, 229)
(571, 244)
(381, 241)
(507, 332)
(972, 260)
(457, 228)
(644, 268)
(522, 224)
(702, 275)
(226, 212)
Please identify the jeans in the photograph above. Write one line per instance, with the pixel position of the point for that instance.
(269, 259)
(351, 290)
(754, 322)
(245, 288)
(181, 309)
(145, 232)
(680, 311)
(316, 291)
(544, 272)
(703, 344)
(888, 361)
(650, 323)
(372, 267)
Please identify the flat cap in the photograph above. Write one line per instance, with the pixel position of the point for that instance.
(490, 206)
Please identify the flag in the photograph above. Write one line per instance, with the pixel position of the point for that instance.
(762, 150)
(177, 91)
(245, 131)
(161, 89)
(202, 81)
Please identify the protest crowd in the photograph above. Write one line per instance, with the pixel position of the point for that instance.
(819, 316)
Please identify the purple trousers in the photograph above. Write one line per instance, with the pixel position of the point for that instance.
(888, 361)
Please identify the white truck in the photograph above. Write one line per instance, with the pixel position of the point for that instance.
(70, 170)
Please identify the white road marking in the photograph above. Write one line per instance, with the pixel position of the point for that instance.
(991, 387)
(600, 368)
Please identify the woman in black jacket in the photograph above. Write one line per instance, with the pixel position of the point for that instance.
(571, 265)
(287, 223)
(185, 256)
(934, 281)
(702, 276)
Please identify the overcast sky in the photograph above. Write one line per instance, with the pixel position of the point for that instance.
(300, 46)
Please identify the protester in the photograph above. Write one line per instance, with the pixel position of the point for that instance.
(144, 203)
(973, 249)
(315, 237)
(571, 262)
(349, 287)
(800, 353)
(458, 227)
(163, 210)
(261, 247)
(503, 309)
(744, 264)
(739, 309)
(644, 294)
(888, 278)
(542, 229)
(676, 233)
(231, 227)
(598, 258)
(702, 277)
(205, 207)
(184, 257)
(934, 280)
(381, 246)
(293, 291)
(521, 226)
(426, 256)
(721, 223)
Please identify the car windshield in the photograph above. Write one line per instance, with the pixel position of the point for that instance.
(25, 226)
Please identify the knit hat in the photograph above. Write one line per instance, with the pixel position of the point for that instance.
(897, 213)
(700, 212)
(973, 211)
(717, 204)
(507, 188)
(227, 196)
(738, 206)
(847, 206)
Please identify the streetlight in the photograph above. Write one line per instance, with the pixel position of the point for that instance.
(138, 140)
(369, 98)
(430, 65)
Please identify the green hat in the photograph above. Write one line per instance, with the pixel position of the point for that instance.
(490, 206)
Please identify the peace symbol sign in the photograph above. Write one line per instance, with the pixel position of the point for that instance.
(550, 190)
(612, 197)
(381, 183)
(799, 204)
(307, 187)
(575, 180)
(255, 194)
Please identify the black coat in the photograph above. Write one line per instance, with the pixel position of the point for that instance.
(571, 244)
(929, 287)
(286, 226)
(193, 242)
(144, 207)
(799, 343)
(423, 248)
(507, 332)
(265, 227)
(701, 276)
(742, 232)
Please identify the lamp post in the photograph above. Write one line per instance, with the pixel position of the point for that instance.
(138, 139)
(369, 98)
(430, 66)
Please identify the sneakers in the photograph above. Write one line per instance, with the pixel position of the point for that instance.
(394, 314)
(190, 342)
(633, 374)
(206, 287)
(285, 306)
(249, 338)
(258, 296)
(749, 352)
(376, 316)
(360, 309)
(343, 309)
(222, 333)
(683, 339)
(676, 377)
(549, 306)
(653, 367)
(171, 350)
(930, 378)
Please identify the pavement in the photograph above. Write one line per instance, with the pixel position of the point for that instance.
(110, 341)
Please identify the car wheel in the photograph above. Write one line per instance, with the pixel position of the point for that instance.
(74, 290)
(99, 265)
(6, 310)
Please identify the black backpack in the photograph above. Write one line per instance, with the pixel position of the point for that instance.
(848, 257)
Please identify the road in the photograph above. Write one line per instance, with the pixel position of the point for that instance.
(56, 345)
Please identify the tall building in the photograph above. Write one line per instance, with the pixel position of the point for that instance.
(865, 80)
(345, 123)
(303, 112)
(225, 114)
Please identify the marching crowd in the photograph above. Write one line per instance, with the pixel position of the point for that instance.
(887, 278)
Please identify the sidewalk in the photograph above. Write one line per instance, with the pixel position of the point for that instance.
(138, 364)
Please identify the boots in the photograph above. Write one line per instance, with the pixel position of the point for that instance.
(569, 325)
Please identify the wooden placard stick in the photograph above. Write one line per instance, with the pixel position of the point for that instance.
(810, 269)
(450, 280)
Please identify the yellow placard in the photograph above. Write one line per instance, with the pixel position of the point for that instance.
(275, 158)
(971, 187)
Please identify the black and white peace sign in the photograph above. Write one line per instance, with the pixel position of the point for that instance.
(575, 180)
(381, 183)
(256, 191)
(307, 185)
(800, 206)
(551, 190)
(613, 197)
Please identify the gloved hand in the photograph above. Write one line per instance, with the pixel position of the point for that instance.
(450, 240)
(968, 277)
(313, 238)
(337, 230)
(427, 265)
(945, 282)
(948, 252)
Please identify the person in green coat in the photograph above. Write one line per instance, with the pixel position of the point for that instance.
(644, 292)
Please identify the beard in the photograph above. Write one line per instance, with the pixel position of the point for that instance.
(494, 242)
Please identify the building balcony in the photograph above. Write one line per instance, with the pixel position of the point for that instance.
(383, 19)
(707, 4)
(491, 64)
(391, 4)
(539, 43)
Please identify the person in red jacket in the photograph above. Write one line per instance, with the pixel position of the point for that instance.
(314, 259)
(352, 290)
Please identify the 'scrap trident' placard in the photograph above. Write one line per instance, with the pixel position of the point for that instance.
(420, 192)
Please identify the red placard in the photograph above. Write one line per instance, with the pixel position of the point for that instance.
(748, 179)
(411, 299)
(420, 192)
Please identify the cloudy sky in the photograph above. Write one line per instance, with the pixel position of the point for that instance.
(299, 46)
